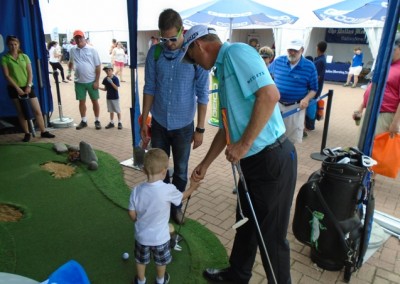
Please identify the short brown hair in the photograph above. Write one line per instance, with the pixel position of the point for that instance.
(155, 161)
(169, 19)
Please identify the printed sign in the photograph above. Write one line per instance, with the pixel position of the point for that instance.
(351, 36)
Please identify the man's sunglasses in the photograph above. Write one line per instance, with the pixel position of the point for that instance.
(172, 39)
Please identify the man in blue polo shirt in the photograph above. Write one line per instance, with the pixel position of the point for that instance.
(251, 132)
(297, 81)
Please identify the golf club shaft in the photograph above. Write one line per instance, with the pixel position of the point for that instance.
(239, 169)
(184, 213)
(237, 190)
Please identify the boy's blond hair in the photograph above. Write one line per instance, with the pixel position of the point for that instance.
(155, 161)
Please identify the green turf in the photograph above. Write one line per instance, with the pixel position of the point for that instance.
(83, 218)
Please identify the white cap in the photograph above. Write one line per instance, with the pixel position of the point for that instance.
(295, 44)
(191, 35)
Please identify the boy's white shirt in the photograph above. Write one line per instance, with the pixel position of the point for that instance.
(152, 203)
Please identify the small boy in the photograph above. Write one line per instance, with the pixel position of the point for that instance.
(149, 207)
(111, 84)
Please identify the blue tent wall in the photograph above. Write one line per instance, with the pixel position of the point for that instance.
(22, 18)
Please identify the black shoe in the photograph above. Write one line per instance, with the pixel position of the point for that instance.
(110, 125)
(218, 275)
(47, 134)
(81, 125)
(97, 125)
(27, 137)
(177, 216)
(119, 125)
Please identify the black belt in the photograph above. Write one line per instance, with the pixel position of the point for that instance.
(289, 103)
(278, 142)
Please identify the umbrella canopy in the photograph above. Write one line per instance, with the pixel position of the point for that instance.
(354, 11)
(235, 14)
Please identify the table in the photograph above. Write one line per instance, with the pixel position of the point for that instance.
(336, 71)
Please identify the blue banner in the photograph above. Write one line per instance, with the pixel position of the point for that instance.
(351, 36)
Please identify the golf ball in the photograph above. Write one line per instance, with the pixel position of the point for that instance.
(125, 255)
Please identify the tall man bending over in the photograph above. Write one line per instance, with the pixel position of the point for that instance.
(171, 92)
(87, 65)
(297, 82)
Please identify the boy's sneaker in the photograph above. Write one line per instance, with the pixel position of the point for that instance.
(166, 279)
(119, 125)
(110, 125)
(47, 134)
(97, 124)
(81, 125)
(136, 280)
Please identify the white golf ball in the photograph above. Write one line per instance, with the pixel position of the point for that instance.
(125, 255)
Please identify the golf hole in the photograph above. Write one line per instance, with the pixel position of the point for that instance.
(11, 213)
(59, 170)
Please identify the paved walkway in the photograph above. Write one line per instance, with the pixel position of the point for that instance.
(213, 205)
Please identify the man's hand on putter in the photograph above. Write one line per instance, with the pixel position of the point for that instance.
(198, 173)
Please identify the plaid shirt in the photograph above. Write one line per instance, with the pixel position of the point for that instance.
(176, 88)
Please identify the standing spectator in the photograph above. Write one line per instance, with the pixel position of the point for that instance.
(65, 51)
(55, 57)
(389, 113)
(149, 207)
(252, 134)
(118, 59)
(171, 92)
(87, 66)
(355, 67)
(113, 45)
(17, 70)
(296, 79)
(320, 65)
(267, 54)
(111, 84)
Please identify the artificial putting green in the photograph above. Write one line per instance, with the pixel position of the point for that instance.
(84, 218)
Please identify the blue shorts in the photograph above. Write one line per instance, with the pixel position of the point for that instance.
(161, 254)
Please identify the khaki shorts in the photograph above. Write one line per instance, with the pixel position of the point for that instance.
(81, 88)
(355, 70)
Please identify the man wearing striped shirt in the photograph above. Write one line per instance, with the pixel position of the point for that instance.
(171, 93)
(297, 81)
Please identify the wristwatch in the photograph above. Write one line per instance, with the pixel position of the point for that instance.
(200, 130)
(30, 85)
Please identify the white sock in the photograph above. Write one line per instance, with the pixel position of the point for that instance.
(142, 282)
(96, 118)
(84, 119)
(112, 121)
(160, 280)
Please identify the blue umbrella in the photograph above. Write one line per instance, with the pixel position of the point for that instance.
(235, 14)
(354, 11)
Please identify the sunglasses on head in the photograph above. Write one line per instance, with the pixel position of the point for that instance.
(171, 39)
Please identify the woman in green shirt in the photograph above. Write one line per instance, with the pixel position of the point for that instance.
(17, 70)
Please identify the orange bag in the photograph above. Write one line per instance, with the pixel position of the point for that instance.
(386, 152)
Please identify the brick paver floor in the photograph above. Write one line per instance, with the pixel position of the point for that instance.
(213, 205)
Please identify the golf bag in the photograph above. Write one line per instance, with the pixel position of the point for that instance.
(329, 211)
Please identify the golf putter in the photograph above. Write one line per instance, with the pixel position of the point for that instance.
(178, 238)
(244, 219)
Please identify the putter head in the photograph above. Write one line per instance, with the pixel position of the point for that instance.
(175, 238)
(239, 223)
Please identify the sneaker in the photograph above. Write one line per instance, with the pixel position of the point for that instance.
(110, 125)
(346, 85)
(47, 134)
(81, 125)
(354, 85)
(119, 125)
(27, 137)
(136, 281)
(97, 124)
(166, 279)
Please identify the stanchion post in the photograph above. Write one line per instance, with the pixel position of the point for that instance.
(320, 156)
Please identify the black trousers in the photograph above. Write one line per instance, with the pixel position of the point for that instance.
(57, 65)
(271, 179)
